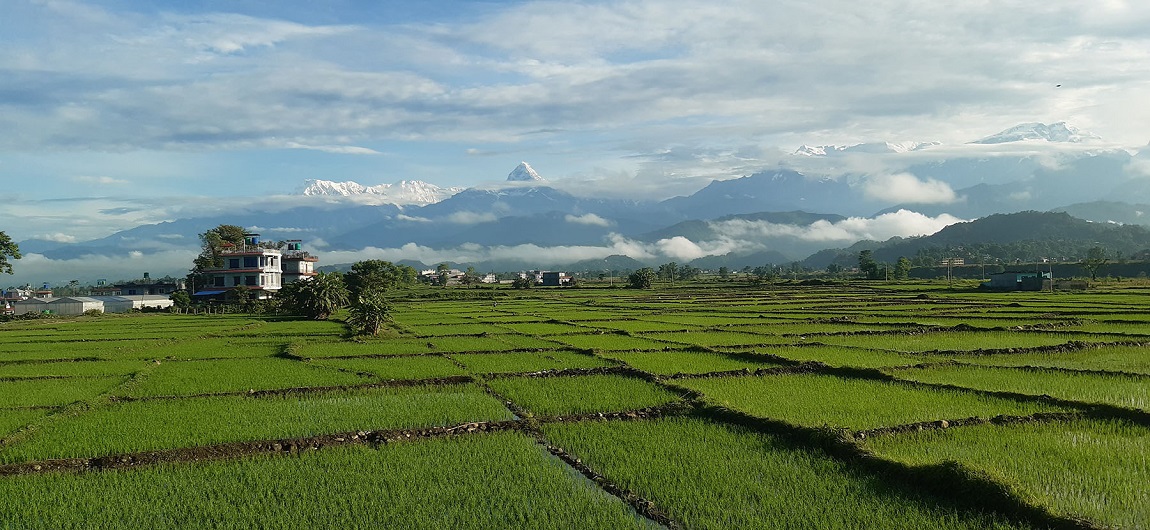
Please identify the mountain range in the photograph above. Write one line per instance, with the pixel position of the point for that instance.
(813, 200)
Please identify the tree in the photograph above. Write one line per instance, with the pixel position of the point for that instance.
(243, 298)
(377, 275)
(8, 249)
(470, 277)
(443, 272)
(834, 269)
(667, 271)
(316, 298)
(687, 273)
(868, 266)
(902, 268)
(1095, 259)
(213, 243)
(181, 300)
(763, 273)
(369, 312)
(642, 278)
(523, 282)
(724, 272)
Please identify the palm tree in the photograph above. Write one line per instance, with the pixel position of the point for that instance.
(318, 297)
(369, 312)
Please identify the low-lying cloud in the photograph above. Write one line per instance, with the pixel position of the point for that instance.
(588, 219)
(907, 188)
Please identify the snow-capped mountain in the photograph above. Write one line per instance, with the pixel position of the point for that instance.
(870, 148)
(404, 192)
(1055, 132)
(524, 173)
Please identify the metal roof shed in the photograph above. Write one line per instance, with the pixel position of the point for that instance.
(74, 305)
(116, 304)
(31, 305)
(159, 301)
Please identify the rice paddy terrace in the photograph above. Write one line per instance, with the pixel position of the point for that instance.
(696, 407)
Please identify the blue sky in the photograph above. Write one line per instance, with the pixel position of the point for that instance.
(114, 113)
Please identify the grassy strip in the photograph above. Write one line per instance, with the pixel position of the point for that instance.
(183, 378)
(544, 328)
(839, 356)
(557, 396)
(689, 362)
(857, 404)
(410, 367)
(71, 369)
(13, 419)
(489, 363)
(954, 341)
(135, 426)
(1119, 390)
(719, 338)
(213, 348)
(499, 480)
(612, 342)
(1091, 469)
(53, 392)
(456, 329)
(1133, 359)
(707, 475)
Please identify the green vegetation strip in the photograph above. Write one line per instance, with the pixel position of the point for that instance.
(857, 404)
(165, 424)
(956, 341)
(409, 367)
(708, 475)
(186, 378)
(557, 396)
(521, 362)
(839, 356)
(1091, 469)
(690, 362)
(1119, 390)
(1133, 359)
(71, 369)
(53, 392)
(499, 480)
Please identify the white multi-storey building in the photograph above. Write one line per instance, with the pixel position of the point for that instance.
(297, 263)
(249, 266)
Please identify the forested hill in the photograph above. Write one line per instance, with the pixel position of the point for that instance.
(1022, 236)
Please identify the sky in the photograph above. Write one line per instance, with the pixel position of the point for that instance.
(115, 113)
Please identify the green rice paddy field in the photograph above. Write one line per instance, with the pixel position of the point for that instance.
(704, 406)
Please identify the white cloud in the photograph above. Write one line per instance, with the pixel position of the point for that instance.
(335, 149)
(903, 223)
(36, 268)
(58, 237)
(104, 181)
(588, 219)
(907, 188)
(471, 218)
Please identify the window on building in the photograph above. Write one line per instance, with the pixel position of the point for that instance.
(250, 280)
(219, 281)
(235, 280)
(234, 263)
(250, 261)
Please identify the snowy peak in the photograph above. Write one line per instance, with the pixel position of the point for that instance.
(1055, 132)
(402, 193)
(871, 148)
(327, 187)
(524, 173)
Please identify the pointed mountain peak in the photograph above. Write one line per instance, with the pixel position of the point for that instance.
(524, 173)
